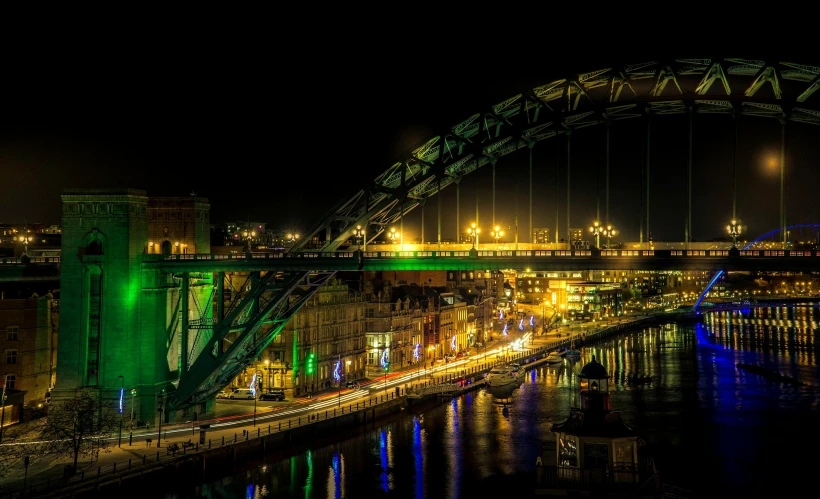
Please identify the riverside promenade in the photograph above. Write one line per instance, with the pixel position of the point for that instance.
(303, 420)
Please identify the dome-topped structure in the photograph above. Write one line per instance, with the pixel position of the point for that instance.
(594, 445)
(593, 370)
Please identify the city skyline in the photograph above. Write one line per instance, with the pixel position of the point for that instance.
(259, 173)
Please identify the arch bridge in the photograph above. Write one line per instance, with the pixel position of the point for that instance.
(153, 319)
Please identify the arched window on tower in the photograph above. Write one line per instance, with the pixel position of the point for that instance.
(94, 248)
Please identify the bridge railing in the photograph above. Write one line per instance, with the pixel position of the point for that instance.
(511, 254)
(18, 260)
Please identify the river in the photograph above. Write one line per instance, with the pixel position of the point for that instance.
(713, 428)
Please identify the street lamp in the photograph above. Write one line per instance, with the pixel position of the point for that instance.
(609, 233)
(131, 431)
(25, 240)
(254, 387)
(734, 229)
(394, 235)
(3, 406)
(121, 404)
(292, 237)
(473, 232)
(596, 231)
(249, 236)
(497, 233)
(358, 233)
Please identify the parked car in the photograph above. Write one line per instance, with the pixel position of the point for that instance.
(223, 394)
(353, 384)
(273, 395)
(241, 393)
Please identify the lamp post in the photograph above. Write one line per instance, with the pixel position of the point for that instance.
(122, 395)
(734, 229)
(358, 233)
(131, 431)
(291, 237)
(473, 232)
(3, 407)
(25, 239)
(609, 233)
(249, 236)
(394, 235)
(596, 231)
(497, 233)
(339, 375)
(254, 386)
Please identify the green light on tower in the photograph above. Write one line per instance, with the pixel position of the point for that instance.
(311, 363)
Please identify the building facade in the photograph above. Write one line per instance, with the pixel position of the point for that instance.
(27, 333)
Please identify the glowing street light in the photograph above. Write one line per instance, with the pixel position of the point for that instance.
(596, 230)
(734, 229)
(497, 233)
(358, 233)
(609, 233)
(394, 235)
(25, 239)
(473, 232)
(292, 237)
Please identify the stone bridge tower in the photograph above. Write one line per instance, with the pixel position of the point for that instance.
(119, 314)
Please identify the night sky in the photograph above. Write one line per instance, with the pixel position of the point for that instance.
(283, 143)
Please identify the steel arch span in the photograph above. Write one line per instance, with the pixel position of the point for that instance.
(720, 272)
(731, 86)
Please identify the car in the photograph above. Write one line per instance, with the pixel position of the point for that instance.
(241, 393)
(460, 355)
(450, 356)
(353, 384)
(223, 394)
(273, 395)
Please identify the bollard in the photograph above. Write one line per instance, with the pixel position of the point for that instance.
(115, 468)
(197, 446)
(268, 429)
(209, 443)
(280, 426)
(234, 437)
(129, 463)
(258, 432)
(334, 413)
(223, 439)
(288, 423)
(300, 421)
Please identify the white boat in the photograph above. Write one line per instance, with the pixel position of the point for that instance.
(503, 376)
(554, 358)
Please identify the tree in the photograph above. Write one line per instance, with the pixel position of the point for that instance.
(78, 427)
(17, 445)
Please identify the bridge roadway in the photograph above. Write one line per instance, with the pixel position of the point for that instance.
(529, 260)
(46, 268)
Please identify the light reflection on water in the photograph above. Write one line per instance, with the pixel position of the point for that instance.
(708, 422)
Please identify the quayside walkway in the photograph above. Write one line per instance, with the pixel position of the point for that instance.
(271, 429)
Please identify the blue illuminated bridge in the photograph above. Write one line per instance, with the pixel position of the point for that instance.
(134, 314)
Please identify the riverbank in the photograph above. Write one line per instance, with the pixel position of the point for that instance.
(137, 467)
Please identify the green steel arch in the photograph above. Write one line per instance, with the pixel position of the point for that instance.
(781, 90)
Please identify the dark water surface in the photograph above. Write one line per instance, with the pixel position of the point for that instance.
(714, 429)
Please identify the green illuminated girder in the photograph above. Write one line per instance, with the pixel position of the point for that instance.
(558, 108)
(249, 328)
